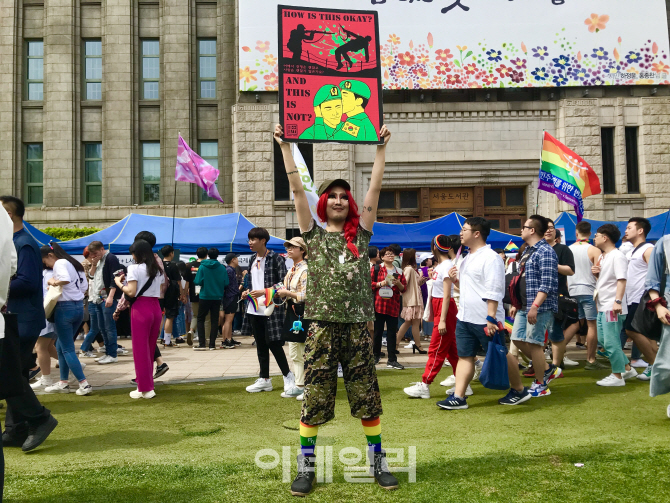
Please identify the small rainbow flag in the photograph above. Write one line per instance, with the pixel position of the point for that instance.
(269, 295)
(566, 175)
(509, 324)
(511, 247)
(254, 302)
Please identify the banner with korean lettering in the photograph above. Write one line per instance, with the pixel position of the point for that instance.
(461, 44)
(333, 95)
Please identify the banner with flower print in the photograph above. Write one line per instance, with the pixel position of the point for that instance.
(460, 44)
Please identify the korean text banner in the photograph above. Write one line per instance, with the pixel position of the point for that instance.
(450, 44)
(333, 94)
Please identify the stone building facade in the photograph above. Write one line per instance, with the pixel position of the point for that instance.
(93, 137)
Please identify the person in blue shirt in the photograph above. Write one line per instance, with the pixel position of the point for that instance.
(28, 423)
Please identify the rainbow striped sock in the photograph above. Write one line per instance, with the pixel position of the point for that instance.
(308, 439)
(373, 431)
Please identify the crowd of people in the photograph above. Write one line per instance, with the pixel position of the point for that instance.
(342, 306)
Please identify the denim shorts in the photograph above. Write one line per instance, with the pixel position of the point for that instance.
(470, 339)
(556, 331)
(534, 334)
(586, 307)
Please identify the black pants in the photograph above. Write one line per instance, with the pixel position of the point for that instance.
(263, 347)
(25, 410)
(210, 307)
(391, 331)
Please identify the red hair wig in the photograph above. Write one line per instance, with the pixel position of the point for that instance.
(351, 223)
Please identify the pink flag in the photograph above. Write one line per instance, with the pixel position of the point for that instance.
(193, 169)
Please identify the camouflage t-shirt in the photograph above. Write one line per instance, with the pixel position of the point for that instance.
(338, 284)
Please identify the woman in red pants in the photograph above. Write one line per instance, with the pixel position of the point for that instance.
(443, 339)
(144, 287)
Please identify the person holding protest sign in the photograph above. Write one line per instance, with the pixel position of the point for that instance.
(339, 303)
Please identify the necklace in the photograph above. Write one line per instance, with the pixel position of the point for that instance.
(258, 260)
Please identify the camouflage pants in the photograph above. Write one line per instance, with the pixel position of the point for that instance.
(351, 345)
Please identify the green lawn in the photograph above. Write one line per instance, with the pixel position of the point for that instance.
(197, 443)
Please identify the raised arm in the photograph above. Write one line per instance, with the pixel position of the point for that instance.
(369, 210)
(295, 182)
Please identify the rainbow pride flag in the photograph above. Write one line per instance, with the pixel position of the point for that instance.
(509, 324)
(254, 302)
(511, 247)
(566, 175)
(269, 295)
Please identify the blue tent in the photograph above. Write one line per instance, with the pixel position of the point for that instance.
(419, 235)
(40, 237)
(659, 226)
(225, 232)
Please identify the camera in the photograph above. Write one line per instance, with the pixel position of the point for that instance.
(118, 273)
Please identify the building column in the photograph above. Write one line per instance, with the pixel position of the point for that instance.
(8, 77)
(60, 166)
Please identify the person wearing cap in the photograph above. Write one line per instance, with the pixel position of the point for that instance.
(229, 303)
(295, 284)
(355, 97)
(328, 110)
(339, 304)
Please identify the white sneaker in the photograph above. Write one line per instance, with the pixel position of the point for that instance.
(260, 385)
(446, 363)
(628, 345)
(449, 381)
(292, 393)
(300, 398)
(42, 382)
(570, 363)
(478, 370)
(410, 345)
(142, 394)
(468, 391)
(547, 354)
(629, 374)
(289, 382)
(668, 411)
(84, 390)
(87, 354)
(611, 380)
(340, 372)
(107, 360)
(639, 363)
(384, 343)
(102, 349)
(646, 375)
(122, 351)
(419, 390)
(58, 387)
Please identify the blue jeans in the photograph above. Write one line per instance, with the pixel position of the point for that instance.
(68, 317)
(96, 325)
(109, 333)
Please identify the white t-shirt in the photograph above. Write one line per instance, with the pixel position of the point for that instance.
(47, 274)
(138, 272)
(78, 284)
(613, 267)
(442, 272)
(481, 278)
(257, 271)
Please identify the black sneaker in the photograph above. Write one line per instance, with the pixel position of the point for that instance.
(14, 440)
(134, 381)
(38, 434)
(304, 481)
(33, 373)
(382, 354)
(235, 343)
(160, 370)
(377, 358)
(452, 402)
(515, 397)
(180, 340)
(394, 365)
(379, 469)
(227, 344)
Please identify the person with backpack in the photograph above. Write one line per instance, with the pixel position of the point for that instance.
(69, 274)
(143, 291)
(170, 302)
(212, 278)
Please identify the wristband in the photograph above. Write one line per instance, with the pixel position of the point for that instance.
(651, 305)
(536, 306)
(491, 319)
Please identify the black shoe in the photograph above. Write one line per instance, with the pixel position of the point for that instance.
(38, 434)
(180, 340)
(304, 481)
(227, 345)
(33, 373)
(394, 351)
(235, 343)
(189, 338)
(377, 358)
(382, 354)
(380, 470)
(394, 365)
(10, 440)
(160, 370)
(421, 351)
(134, 381)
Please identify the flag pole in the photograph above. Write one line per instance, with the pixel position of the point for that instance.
(537, 201)
(174, 201)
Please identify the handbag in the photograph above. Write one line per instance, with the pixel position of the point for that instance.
(50, 300)
(568, 311)
(645, 321)
(494, 371)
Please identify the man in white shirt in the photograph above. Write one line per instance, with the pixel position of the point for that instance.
(612, 271)
(481, 279)
(638, 263)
